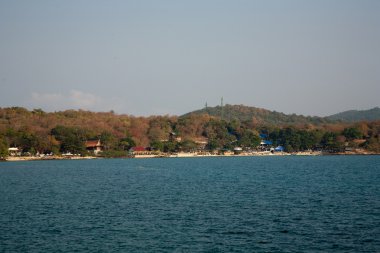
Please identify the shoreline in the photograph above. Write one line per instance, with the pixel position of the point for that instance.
(49, 158)
(186, 155)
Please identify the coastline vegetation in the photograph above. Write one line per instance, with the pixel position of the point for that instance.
(38, 132)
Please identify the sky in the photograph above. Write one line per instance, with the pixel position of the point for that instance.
(150, 57)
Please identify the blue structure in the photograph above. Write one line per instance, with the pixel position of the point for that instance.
(279, 149)
(265, 142)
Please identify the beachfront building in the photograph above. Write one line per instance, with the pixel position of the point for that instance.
(174, 137)
(201, 142)
(14, 151)
(238, 150)
(94, 146)
(140, 151)
(265, 144)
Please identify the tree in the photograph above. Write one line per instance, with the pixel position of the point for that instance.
(292, 138)
(187, 146)
(249, 139)
(157, 145)
(108, 140)
(329, 142)
(217, 133)
(38, 111)
(309, 139)
(352, 133)
(72, 139)
(159, 128)
(170, 146)
(3, 148)
(126, 143)
(212, 144)
(373, 144)
(73, 143)
(28, 142)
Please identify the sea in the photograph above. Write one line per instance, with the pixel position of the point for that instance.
(214, 204)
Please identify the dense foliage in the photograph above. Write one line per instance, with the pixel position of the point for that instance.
(60, 132)
(258, 116)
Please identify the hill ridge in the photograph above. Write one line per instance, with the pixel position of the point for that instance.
(265, 116)
(357, 115)
(258, 115)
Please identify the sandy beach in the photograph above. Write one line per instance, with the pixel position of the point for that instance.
(190, 155)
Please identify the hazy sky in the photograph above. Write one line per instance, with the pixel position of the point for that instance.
(312, 57)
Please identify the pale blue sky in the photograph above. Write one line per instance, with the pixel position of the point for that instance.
(171, 57)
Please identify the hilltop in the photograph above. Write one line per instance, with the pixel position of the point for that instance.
(356, 115)
(258, 116)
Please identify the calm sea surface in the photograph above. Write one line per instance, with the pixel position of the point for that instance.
(237, 204)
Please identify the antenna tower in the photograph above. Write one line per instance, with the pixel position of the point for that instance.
(222, 108)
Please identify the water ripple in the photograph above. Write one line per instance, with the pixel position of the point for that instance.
(244, 204)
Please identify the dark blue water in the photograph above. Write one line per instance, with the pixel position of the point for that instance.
(240, 204)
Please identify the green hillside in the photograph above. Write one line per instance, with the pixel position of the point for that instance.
(356, 115)
(258, 115)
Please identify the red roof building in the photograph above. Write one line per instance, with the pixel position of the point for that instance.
(138, 149)
(94, 146)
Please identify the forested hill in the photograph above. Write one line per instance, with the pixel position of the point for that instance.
(37, 131)
(258, 116)
(355, 115)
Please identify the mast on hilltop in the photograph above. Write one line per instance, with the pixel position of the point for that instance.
(221, 109)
